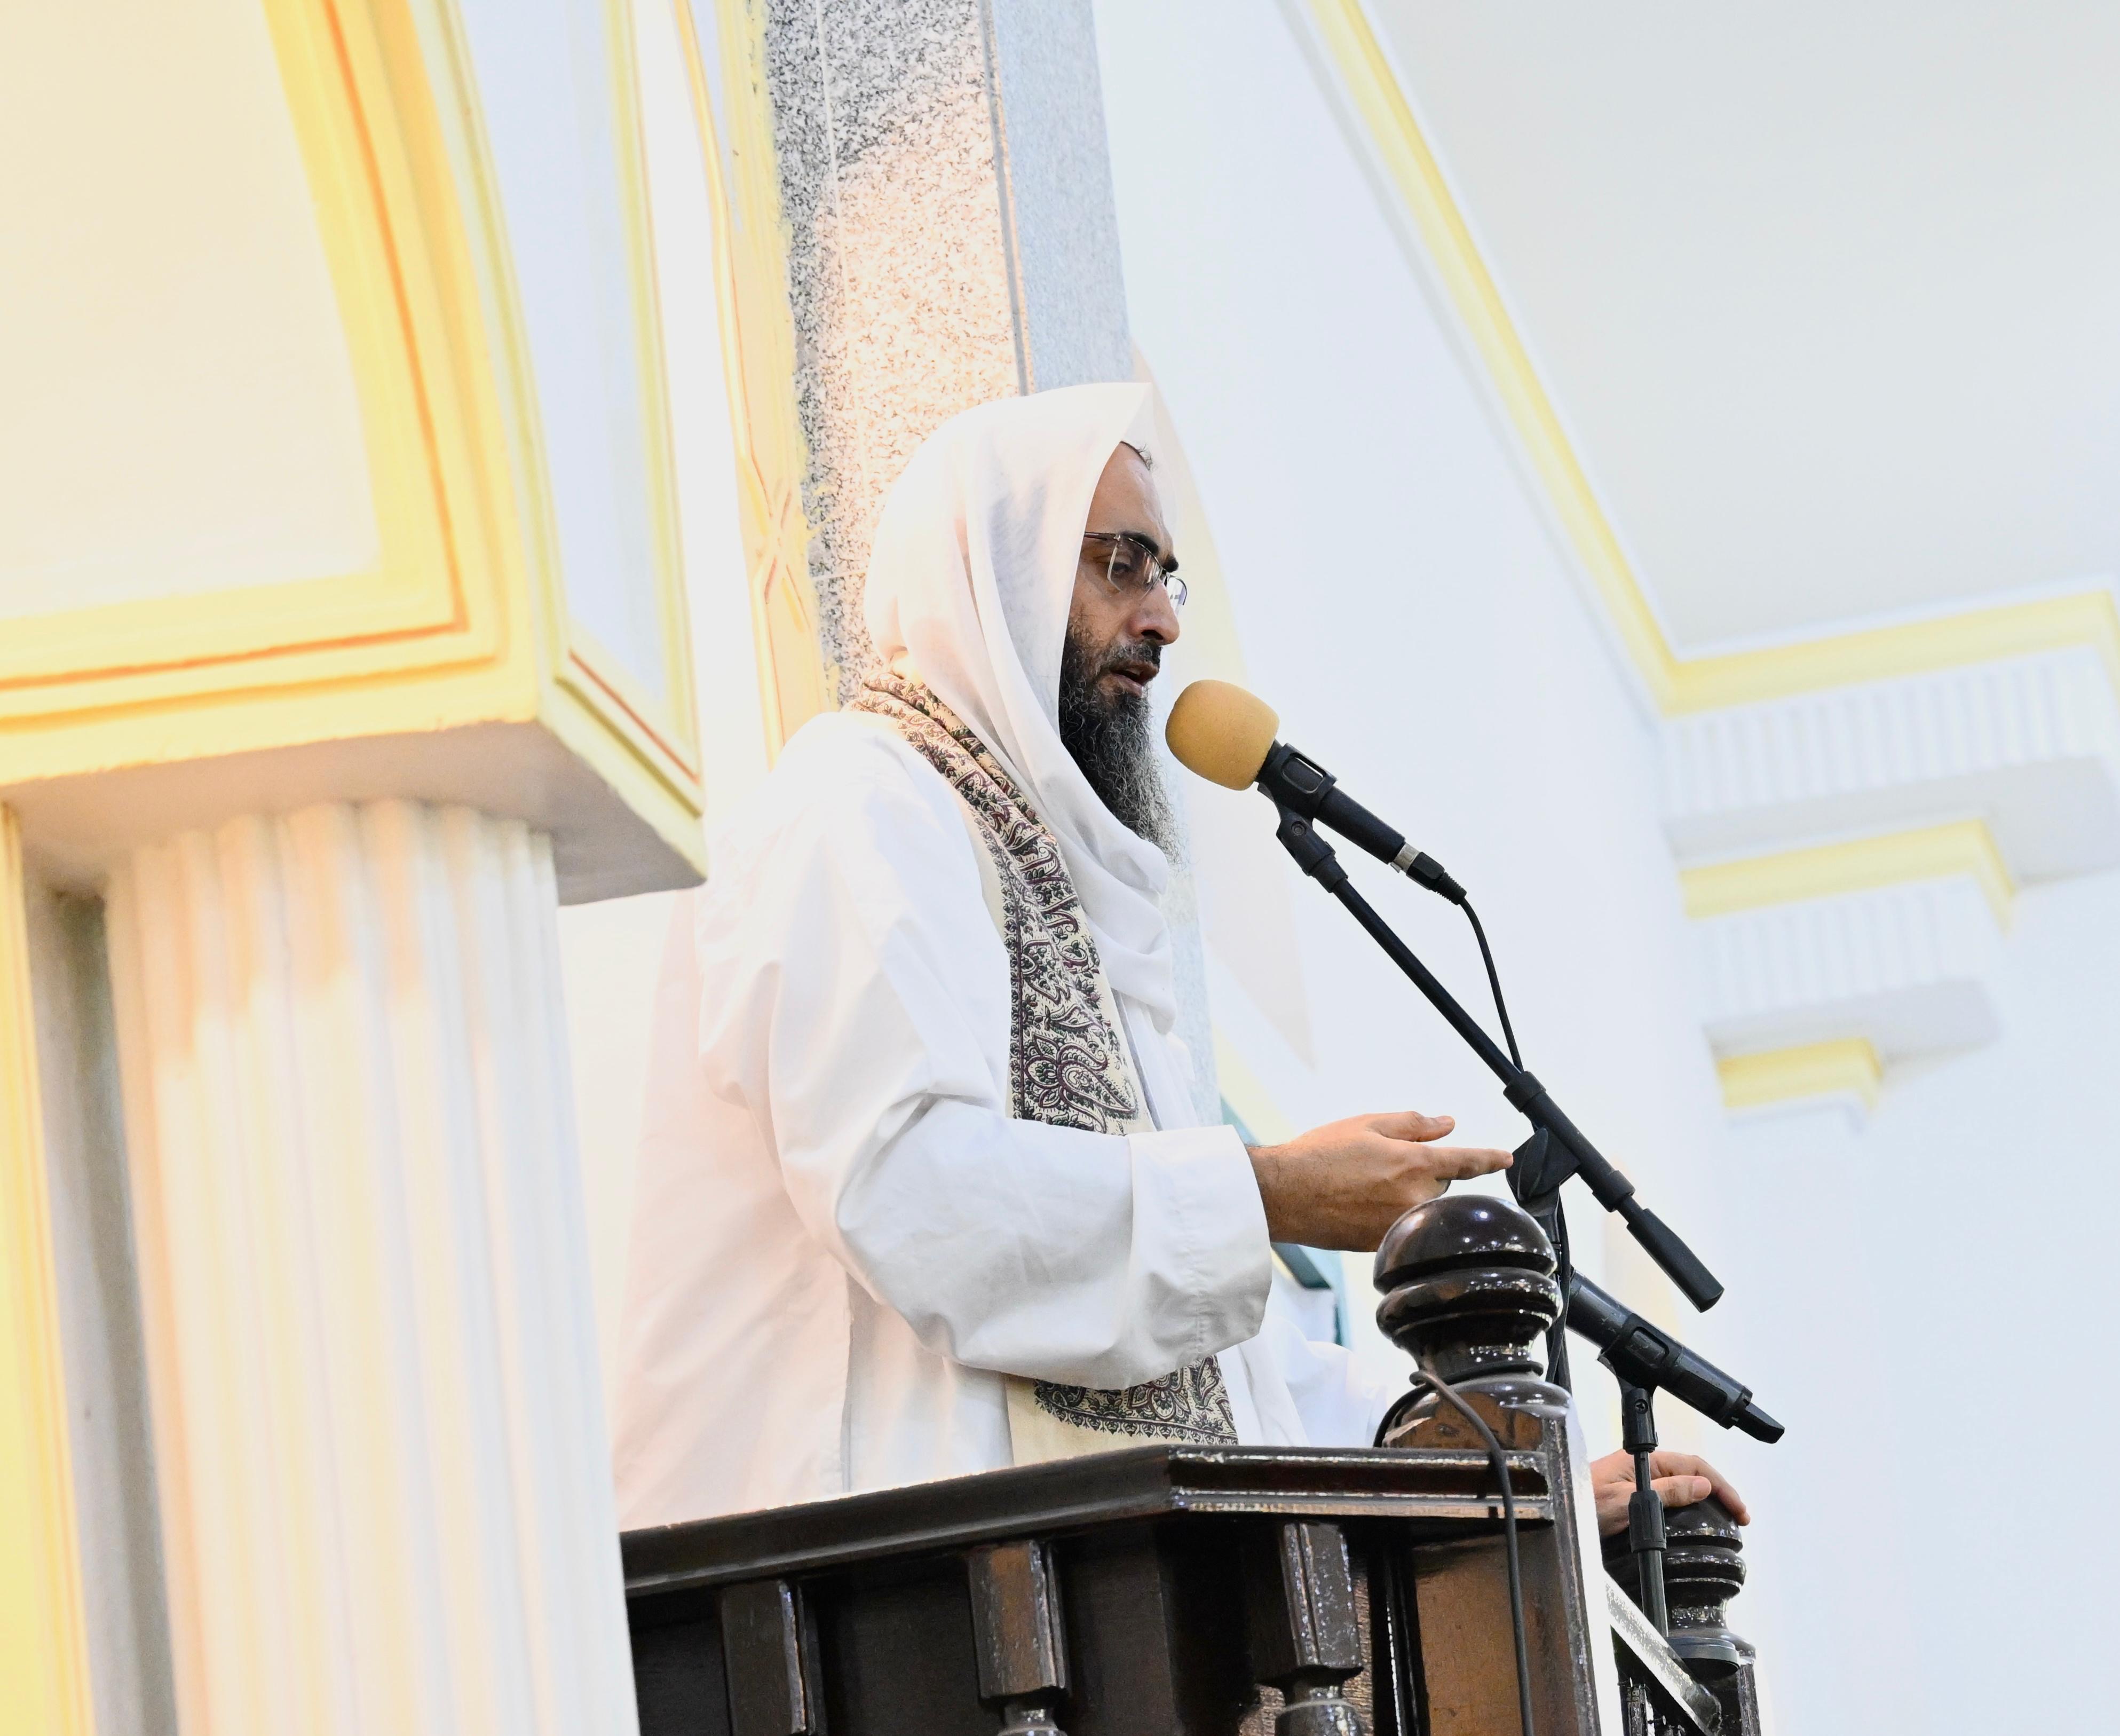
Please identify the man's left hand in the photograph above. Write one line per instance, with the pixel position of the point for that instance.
(1679, 1477)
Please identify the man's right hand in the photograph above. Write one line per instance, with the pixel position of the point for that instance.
(1343, 1184)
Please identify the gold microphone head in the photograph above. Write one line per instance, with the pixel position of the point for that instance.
(1220, 731)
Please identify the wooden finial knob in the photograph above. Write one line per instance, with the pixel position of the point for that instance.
(1469, 1291)
(1704, 1568)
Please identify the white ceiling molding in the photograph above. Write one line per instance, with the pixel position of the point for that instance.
(2031, 744)
(1906, 967)
(1850, 799)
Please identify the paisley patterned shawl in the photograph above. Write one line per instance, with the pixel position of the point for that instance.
(1068, 1061)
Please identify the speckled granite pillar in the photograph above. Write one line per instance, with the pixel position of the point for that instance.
(952, 237)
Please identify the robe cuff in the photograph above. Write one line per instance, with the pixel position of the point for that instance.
(1206, 1194)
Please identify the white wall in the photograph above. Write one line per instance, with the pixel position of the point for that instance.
(1938, 1553)
(611, 953)
(1917, 1563)
(1401, 607)
(1923, 1299)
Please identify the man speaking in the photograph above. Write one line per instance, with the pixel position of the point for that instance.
(922, 1191)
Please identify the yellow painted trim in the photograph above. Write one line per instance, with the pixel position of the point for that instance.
(1846, 1066)
(180, 678)
(386, 119)
(632, 732)
(1854, 865)
(463, 628)
(1372, 89)
(2080, 619)
(43, 1630)
(1676, 684)
(655, 397)
(758, 361)
(664, 733)
(431, 600)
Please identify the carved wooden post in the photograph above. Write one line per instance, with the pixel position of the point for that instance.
(1299, 1599)
(1469, 1289)
(769, 1655)
(1469, 1292)
(1016, 1631)
(1704, 1569)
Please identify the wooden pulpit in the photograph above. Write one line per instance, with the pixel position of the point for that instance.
(1179, 1591)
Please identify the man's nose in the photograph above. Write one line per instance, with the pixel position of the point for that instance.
(1157, 617)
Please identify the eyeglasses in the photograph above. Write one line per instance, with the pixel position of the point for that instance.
(1129, 565)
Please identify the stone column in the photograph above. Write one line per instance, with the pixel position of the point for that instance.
(946, 185)
(951, 237)
(379, 1435)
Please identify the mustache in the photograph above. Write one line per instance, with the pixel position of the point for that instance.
(1149, 651)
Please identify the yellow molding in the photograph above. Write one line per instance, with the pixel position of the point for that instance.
(1676, 684)
(434, 600)
(1845, 1066)
(682, 706)
(1854, 865)
(2080, 619)
(758, 362)
(463, 620)
(662, 733)
(632, 731)
(1403, 151)
(174, 679)
(43, 1632)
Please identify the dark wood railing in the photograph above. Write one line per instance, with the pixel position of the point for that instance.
(1214, 1592)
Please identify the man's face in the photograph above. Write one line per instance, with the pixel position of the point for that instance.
(1116, 633)
(1123, 633)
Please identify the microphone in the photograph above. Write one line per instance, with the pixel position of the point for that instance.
(1225, 735)
(1641, 1355)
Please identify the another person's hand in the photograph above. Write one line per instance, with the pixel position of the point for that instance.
(1679, 1477)
(1343, 1184)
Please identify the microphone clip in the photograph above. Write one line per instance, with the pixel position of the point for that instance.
(1541, 1164)
(1307, 847)
(1295, 784)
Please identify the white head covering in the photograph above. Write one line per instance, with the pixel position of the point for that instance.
(971, 581)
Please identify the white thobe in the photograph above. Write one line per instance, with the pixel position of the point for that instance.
(843, 1242)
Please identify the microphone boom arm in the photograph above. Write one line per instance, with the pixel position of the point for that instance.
(1576, 1155)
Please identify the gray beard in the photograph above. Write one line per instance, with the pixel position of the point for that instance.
(1114, 742)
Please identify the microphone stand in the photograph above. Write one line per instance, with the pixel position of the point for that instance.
(1646, 1540)
(1558, 1148)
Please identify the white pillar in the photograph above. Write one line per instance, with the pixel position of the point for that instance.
(380, 1436)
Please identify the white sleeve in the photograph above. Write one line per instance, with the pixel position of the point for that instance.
(855, 999)
(1340, 1399)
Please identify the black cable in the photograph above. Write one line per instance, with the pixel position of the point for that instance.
(1564, 1265)
(1556, 1341)
(1500, 1462)
(1494, 979)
